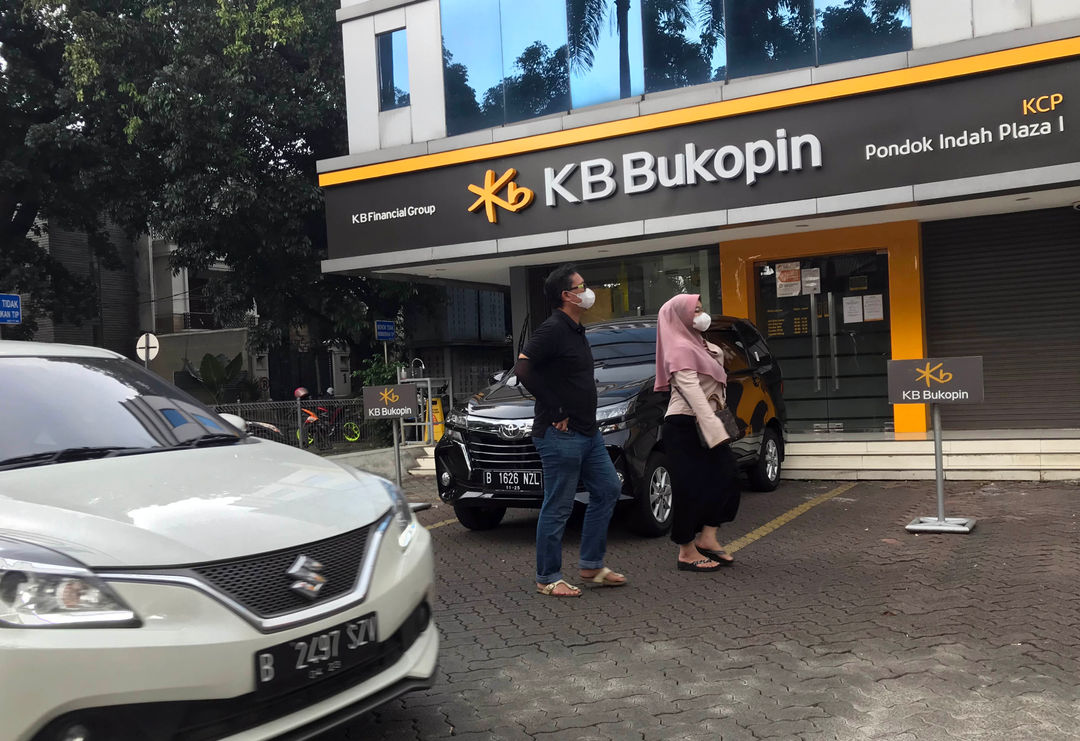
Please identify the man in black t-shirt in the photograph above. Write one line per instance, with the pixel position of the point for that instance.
(556, 366)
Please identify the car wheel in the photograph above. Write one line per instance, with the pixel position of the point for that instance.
(765, 473)
(480, 518)
(651, 510)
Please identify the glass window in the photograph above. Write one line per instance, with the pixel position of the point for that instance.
(769, 35)
(683, 43)
(472, 64)
(536, 79)
(605, 53)
(864, 28)
(638, 285)
(393, 61)
(65, 402)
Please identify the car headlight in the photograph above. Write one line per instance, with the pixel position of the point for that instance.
(40, 588)
(456, 418)
(402, 515)
(611, 418)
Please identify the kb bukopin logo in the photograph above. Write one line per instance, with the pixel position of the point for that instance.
(517, 197)
(927, 374)
(388, 396)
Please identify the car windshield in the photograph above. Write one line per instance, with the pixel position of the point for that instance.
(68, 408)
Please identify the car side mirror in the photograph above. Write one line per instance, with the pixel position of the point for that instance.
(235, 421)
(496, 377)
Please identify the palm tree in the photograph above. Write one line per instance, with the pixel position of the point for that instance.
(585, 20)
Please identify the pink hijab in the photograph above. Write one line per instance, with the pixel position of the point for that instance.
(679, 346)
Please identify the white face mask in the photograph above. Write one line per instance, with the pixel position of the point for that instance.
(702, 322)
(586, 299)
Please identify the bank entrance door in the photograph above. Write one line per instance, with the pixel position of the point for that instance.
(827, 322)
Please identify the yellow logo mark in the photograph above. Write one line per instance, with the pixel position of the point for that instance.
(927, 374)
(516, 198)
(388, 396)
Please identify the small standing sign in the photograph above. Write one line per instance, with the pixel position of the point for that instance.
(385, 332)
(937, 381)
(393, 401)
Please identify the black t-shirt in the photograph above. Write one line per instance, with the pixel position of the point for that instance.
(559, 374)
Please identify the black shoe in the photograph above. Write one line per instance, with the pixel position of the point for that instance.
(697, 565)
(717, 556)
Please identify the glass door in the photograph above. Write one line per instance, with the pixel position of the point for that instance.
(827, 323)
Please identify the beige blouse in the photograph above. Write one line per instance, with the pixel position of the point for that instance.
(701, 396)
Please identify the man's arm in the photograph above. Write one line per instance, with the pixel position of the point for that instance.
(538, 387)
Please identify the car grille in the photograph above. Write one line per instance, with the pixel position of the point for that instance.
(261, 584)
(493, 453)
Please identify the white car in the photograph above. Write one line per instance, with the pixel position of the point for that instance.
(164, 576)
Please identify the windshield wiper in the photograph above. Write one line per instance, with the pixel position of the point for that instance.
(70, 454)
(208, 440)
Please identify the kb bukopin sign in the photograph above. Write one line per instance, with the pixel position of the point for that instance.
(936, 381)
(391, 401)
(964, 127)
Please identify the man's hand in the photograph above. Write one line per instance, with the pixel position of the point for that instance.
(561, 426)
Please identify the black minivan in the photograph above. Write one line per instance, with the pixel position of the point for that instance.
(486, 461)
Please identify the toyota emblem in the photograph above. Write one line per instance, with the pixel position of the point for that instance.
(511, 432)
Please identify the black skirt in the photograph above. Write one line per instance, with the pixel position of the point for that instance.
(704, 481)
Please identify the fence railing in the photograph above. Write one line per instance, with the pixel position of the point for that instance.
(326, 425)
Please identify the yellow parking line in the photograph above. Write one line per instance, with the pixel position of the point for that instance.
(785, 518)
(440, 524)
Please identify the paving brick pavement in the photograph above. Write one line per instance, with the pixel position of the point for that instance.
(837, 625)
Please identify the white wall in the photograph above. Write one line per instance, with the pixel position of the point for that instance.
(425, 118)
(936, 22)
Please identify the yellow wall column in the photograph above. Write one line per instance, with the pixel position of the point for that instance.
(900, 239)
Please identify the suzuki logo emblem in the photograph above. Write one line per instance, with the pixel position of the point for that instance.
(308, 579)
(511, 432)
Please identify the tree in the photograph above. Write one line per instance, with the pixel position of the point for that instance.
(862, 28)
(203, 122)
(542, 87)
(52, 165)
(585, 20)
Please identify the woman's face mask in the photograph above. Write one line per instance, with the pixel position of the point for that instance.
(702, 321)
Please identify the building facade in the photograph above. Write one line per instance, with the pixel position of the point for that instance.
(864, 180)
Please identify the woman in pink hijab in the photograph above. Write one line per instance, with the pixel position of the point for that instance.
(704, 483)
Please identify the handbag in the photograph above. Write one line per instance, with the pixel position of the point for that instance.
(732, 426)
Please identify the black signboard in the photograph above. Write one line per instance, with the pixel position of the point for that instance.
(936, 381)
(391, 402)
(980, 125)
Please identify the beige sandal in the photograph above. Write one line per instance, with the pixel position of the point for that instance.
(549, 589)
(601, 578)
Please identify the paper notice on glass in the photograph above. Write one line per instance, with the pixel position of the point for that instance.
(853, 309)
(788, 279)
(811, 280)
(873, 308)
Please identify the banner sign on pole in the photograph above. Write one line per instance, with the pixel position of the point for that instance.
(384, 330)
(391, 401)
(10, 308)
(937, 381)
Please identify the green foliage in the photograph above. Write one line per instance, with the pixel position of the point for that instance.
(375, 372)
(216, 375)
(201, 119)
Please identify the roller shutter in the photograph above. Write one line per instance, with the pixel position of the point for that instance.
(1007, 287)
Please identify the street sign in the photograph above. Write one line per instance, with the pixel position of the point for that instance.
(147, 347)
(391, 401)
(936, 381)
(10, 308)
(384, 330)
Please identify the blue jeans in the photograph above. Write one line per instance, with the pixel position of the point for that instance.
(566, 458)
